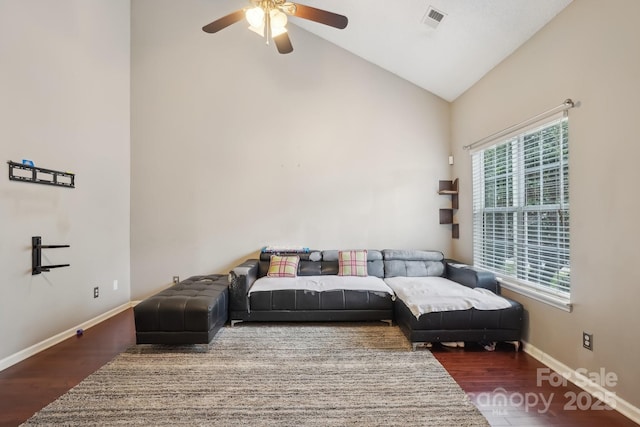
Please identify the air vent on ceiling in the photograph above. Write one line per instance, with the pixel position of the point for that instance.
(433, 17)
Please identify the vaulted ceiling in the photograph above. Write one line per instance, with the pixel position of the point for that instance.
(472, 37)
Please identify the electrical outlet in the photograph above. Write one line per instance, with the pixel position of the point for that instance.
(587, 340)
(176, 279)
(96, 292)
(115, 285)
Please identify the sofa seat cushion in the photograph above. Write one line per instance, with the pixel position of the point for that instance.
(320, 293)
(321, 284)
(505, 319)
(424, 295)
(304, 300)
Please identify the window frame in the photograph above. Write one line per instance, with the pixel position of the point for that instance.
(515, 179)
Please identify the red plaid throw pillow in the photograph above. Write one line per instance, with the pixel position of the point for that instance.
(352, 263)
(283, 266)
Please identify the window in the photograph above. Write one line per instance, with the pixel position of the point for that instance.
(521, 211)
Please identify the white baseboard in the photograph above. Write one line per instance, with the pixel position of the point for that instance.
(56, 339)
(582, 381)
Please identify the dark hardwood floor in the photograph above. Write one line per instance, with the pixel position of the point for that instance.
(31, 384)
(513, 389)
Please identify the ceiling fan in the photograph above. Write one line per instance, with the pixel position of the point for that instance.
(268, 18)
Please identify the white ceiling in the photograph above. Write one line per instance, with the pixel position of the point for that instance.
(473, 37)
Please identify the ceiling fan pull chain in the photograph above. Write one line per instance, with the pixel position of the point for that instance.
(267, 24)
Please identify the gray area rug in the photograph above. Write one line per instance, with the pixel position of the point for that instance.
(285, 375)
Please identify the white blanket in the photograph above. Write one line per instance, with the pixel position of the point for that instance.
(433, 294)
(321, 283)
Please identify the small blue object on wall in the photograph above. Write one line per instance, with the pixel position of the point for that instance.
(80, 332)
(27, 162)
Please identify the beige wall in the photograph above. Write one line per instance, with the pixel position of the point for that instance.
(351, 154)
(235, 147)
(593, 58)
(64, 103)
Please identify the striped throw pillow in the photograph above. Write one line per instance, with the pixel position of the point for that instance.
(283, 266)
(352, 263)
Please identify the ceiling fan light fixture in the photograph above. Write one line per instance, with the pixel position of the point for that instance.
(288, 8)
(255, 16)
(269, 19)
(278, 19)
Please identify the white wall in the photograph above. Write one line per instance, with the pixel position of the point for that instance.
(592, 57)
(64, 103)
(235, 147)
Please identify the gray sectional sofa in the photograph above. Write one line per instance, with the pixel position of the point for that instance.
(293, 304)
(403, 286)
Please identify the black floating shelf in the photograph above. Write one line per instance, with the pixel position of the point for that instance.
(36, 256)
(38, 175)
(450, 188)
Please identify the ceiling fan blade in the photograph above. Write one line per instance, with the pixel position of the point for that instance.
(224, 22)
(321, 16)
(283, 43)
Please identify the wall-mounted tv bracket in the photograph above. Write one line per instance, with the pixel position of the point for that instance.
(27, 173)
(36, 256)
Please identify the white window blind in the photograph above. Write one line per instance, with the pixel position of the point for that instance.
(521, 208)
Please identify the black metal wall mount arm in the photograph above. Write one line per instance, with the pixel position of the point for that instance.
(36, 256)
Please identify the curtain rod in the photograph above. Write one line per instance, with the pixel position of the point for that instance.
(567, 104)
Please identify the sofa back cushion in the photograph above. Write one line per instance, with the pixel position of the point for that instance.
(309, 264)
(386, 263)
(412, 263)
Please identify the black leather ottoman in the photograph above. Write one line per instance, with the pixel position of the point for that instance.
(190, 312)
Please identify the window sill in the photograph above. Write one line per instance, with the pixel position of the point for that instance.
(556, 301)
